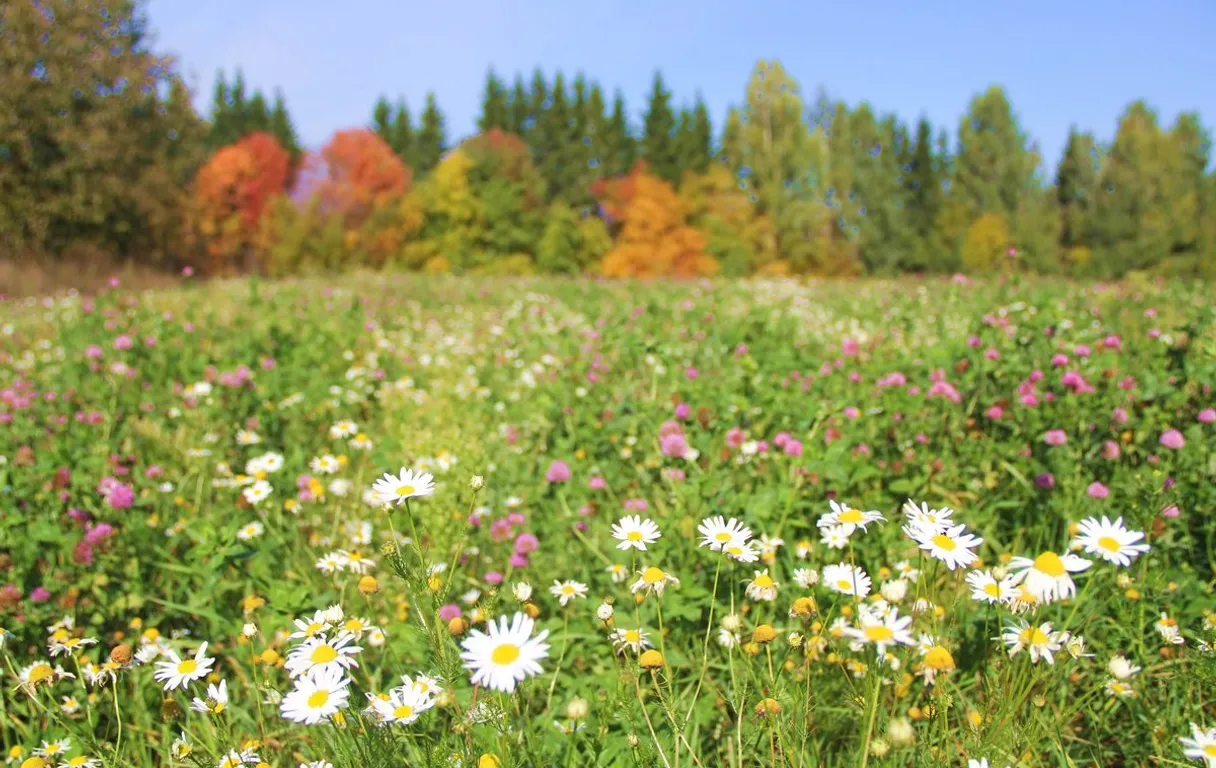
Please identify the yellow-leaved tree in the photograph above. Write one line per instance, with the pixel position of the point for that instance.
(654, 239)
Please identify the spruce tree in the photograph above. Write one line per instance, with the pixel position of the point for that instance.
(382, 120)
(620, 144)
(1076, 180)
(403, 140)
(282, 129)
(432, 137)
(658, 133)
(923, 183)
(519, 107)
(494, 107)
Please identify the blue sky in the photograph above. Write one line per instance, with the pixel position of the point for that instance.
(1062, 62)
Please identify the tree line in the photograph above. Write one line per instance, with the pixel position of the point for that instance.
(106, 152)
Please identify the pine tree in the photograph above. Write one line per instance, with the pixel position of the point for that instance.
(658, 133)
(494, 107)
(403, 139)
(259, 114)
(1193, 145)
(556, 139)
(732, 141)
(282, 129)
(538, 105)
(703, 136)
(518, 107)
(1076, 185)
(618, 141)
(432, 139)
(382, 120)
(923, 182)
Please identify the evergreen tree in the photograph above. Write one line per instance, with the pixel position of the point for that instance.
(518, 107)
(658, 134)
(1076, 185)
(432, 138)
(538, 105)
(1193, 145)
(694, 139)
(495, 111)
(620, 149)
(732, 141)
(403, 139)
(923, 182)
(382, 120)
(282, 129)
(259, 114)
(556, 140)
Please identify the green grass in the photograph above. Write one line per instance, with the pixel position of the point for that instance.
(500, 379)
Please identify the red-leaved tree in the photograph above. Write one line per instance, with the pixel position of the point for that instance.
(356, 173)
(231, 192)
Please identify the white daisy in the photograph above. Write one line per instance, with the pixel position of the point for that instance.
(986, 589)
(1040, 641)
(216, 701)
(846, 579)
(888, 628)
(922, 518)
(406, 484)
(341, 429)
(257, 492)
(316, 697)
(1120, 668)
(236, 758)
(250, 531)
(632, 639)
(653, 579)
(762, 586)
(1112, 542)
(178, 672)
(717, 532)
(952, 546)
(320, 654)
(1201, 745)
(806, 577)
(402, 707)
(506, 655)
(842, 514)
(745, 552)
(317, 625)
(1046, 577)
(835, 536)
(325, 465)
(634, 532)
(565, 591)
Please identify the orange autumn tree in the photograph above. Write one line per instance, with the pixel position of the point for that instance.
(231, 193)
(359, 173)
(654, 239)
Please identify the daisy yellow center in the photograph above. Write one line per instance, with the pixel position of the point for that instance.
(505, 654)
(652, 575)
(722, 536)
(405, 490)
(187, 667)
(567, 589)
(879, 633)
(1033, 636)
(939, 658)
(1168, 622)
(40, 672)
(736, 551)
(1109, 544)
(78, 760)
(354, 625)
(313, 628)
(852, 516)
(945, 543)
(318, 699)
(632, 636)
(1050, 564)
(844, 584)
(634, 536)
(764, 581)
(403, 712)
(992, 590)
(1210, 750)
(218, 707)
(53, 748)
(323, 654)
(354, 557)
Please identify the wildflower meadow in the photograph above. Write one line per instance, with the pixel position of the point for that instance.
(398, 520)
